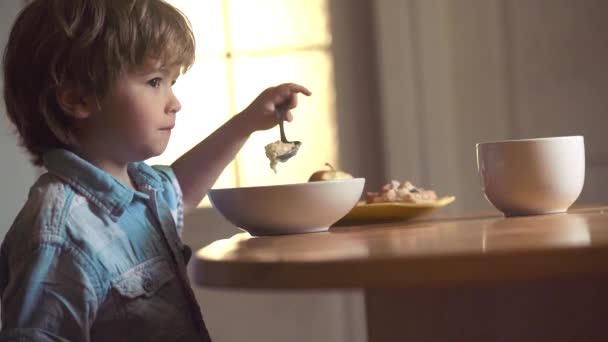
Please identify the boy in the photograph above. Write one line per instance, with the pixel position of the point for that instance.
(95, 254)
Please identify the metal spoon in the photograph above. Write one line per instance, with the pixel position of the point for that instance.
(285, 156)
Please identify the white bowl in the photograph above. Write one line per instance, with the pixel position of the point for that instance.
(289, 208)
(532, 176)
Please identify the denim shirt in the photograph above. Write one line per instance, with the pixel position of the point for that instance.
(89, 259)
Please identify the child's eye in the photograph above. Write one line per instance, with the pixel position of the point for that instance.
(155, 82)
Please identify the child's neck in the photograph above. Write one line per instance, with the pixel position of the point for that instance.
(118, 170)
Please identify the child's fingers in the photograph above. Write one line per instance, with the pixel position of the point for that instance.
(287, 91)
(285, 116)
(293, 103)
(288, 116)
(296, 88)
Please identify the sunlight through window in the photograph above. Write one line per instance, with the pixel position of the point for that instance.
(243, 47)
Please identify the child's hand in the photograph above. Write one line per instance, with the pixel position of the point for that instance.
(261, 114)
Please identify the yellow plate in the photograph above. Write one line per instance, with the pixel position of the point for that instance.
(392, 211)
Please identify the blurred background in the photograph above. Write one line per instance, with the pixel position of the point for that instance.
(402, 89)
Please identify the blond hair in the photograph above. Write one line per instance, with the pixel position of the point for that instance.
(84, 45)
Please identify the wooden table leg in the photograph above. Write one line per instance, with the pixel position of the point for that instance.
(531, 311)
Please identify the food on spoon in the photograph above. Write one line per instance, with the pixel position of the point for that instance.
(396, 191)
(330, 174)
(276, 149)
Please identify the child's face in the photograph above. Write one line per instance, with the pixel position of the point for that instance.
(138, 114)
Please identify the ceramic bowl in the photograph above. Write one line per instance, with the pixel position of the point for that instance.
(288, 208)
(532, 176)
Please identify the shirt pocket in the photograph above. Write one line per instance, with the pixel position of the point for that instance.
(144, 279)
(142, 298)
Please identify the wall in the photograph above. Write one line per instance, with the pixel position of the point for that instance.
(558, 77)
(442, 85)
(17, 173)
(456, 73)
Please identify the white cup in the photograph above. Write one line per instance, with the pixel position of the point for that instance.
(532, 176)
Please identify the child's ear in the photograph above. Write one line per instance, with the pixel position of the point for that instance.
(74, 103)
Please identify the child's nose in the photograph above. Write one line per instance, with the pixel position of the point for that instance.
(174, 105)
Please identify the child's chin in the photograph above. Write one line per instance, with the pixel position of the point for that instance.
(151, 153)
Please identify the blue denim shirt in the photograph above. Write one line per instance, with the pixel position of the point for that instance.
(89, 259)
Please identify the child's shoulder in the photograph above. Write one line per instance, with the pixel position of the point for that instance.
(47, 204)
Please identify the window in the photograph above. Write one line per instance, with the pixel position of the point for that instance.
(243, 47)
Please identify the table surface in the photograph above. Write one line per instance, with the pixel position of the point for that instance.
(468, 249)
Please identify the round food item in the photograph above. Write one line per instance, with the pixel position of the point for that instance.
(331, 174)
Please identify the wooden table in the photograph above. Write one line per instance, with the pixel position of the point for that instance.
(467, 278)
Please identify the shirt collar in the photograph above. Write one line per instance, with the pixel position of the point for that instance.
(97, 185)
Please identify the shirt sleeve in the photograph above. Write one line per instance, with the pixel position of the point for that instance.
(172, 195)
(48, 296)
